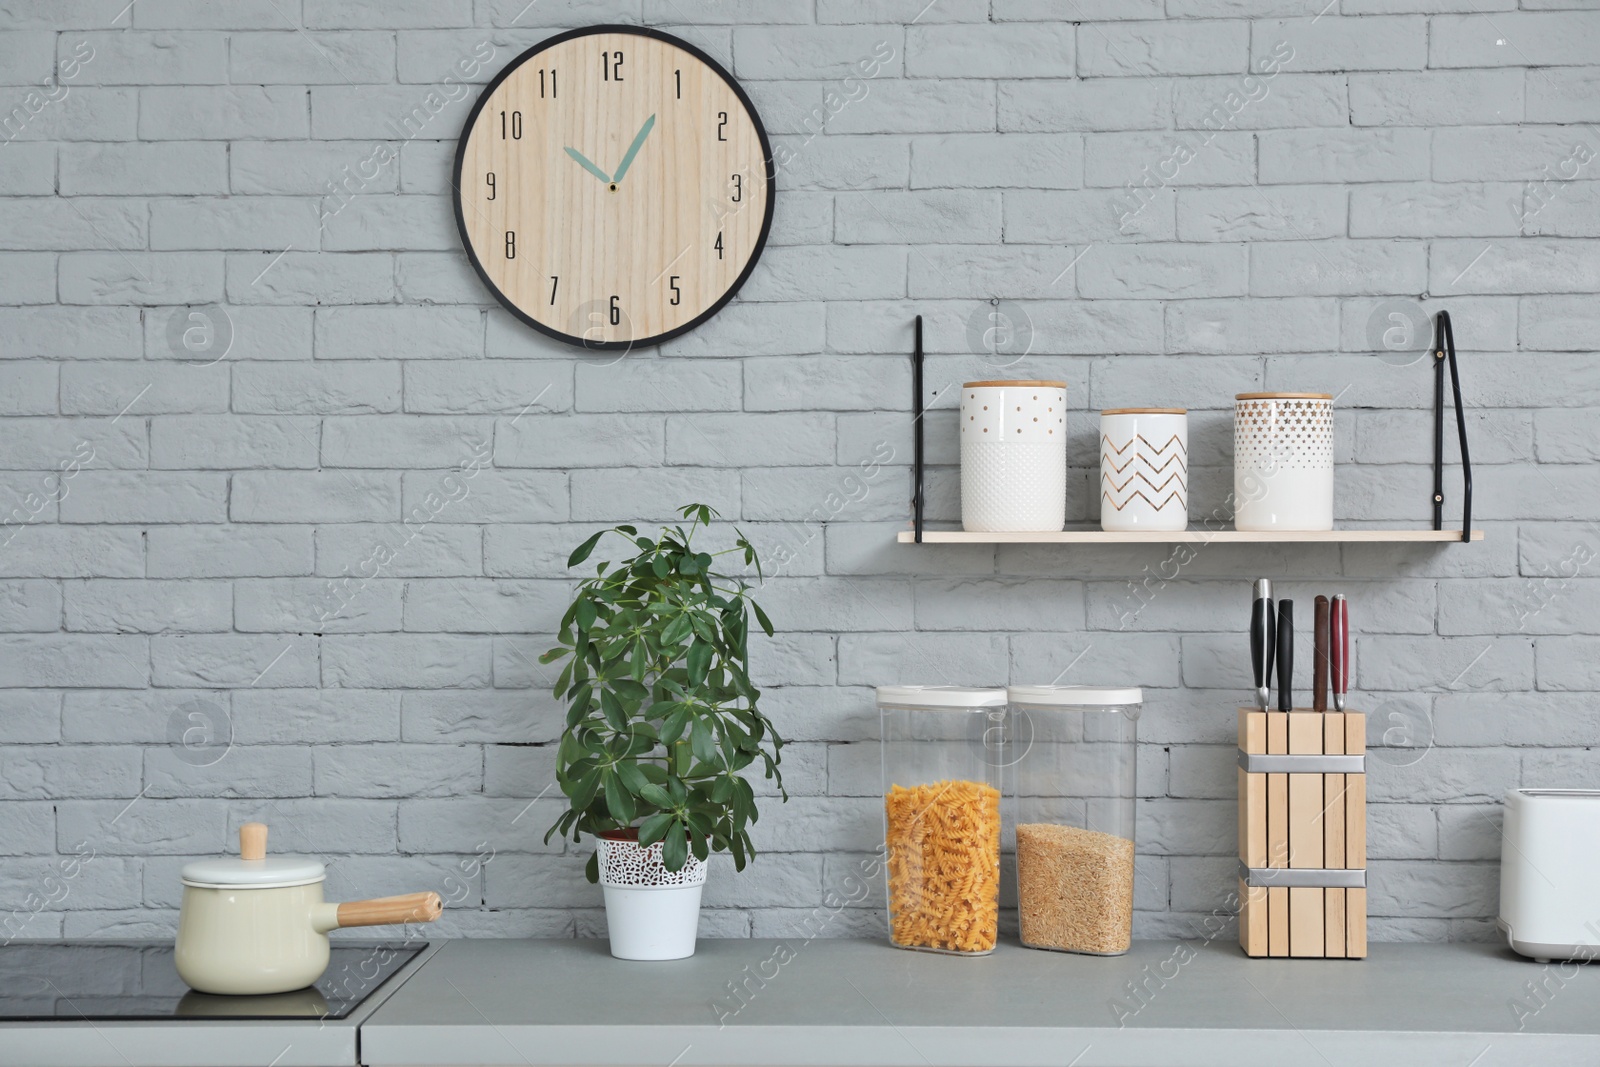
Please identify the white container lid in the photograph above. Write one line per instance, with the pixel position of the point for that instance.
(1074, 696)
(274, 872)
(941, 696)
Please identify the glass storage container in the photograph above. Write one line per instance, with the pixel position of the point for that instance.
(942, 748)
(1071, 777)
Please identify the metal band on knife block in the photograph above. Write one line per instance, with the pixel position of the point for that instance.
(1256, 763)
(1304, 877)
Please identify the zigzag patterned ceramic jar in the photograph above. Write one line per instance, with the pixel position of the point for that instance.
(1283, 461)
(1144, 469)
(1014, 456)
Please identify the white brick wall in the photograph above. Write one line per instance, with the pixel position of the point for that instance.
(211, 570)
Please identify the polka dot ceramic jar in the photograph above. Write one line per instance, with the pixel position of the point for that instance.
(1014, 456)
(1283, 461)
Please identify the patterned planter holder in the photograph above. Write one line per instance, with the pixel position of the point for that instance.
(1144, 469)
(1283, 461)
(651, 913)
(1014, 456)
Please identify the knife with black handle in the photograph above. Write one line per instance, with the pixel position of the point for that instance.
(1285, 655)
(1319, 655)
(1262, 641)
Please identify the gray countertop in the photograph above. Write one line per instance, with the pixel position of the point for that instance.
(861, 1002)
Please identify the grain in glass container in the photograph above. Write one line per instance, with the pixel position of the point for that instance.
(941, 783)
(1071, 782)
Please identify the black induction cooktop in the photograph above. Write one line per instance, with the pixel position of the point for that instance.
(62, 981)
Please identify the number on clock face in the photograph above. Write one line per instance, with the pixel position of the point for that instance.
(624, 209)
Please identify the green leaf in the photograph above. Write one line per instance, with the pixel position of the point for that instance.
(612, 710)
(581, 553)
(702, 742)
(633, 779)
(654, 828)
(618, 802)
(761, 617)
(587, 788)
(591, 870)
(586, 614)
(675, 724)
(654, 795)
(699, 659)
(631, 693)
(675, 848)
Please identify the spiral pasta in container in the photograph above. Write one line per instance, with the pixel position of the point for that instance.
(942, 754)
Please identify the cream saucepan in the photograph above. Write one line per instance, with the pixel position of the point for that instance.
(257, 925)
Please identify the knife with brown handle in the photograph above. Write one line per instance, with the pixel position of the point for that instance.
(1340, 652)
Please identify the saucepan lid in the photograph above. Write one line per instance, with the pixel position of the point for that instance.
(253, 868)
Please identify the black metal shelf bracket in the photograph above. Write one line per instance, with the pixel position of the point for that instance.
(1444, 350)
(916, 430)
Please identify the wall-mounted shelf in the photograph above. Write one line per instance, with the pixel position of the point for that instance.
(1103, 537)
(1444, 357)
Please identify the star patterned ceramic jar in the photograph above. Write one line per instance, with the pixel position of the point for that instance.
(1283, 461)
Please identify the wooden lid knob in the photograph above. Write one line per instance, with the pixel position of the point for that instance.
(253, 841)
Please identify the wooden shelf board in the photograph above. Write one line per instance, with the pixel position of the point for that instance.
(1102, 537)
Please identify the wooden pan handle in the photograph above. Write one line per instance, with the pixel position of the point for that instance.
(253, 841)
(387, 911)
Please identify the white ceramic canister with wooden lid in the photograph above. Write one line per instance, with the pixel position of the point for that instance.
(1014, 456)
(1144, 469)
(1283, 461)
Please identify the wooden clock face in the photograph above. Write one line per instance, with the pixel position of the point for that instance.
(613, 187)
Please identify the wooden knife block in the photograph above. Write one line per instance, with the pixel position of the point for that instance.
(1310, 825)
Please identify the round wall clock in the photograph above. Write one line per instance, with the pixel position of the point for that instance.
(613, 186)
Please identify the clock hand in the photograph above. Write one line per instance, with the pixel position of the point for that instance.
(633, 149)
(586, 165)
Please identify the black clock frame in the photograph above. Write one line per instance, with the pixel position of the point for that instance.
(460, 161)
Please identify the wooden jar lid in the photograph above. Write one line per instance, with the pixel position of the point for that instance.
(1030, 384)
(1145, 411)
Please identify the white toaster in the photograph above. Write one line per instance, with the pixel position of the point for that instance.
(1550, 873)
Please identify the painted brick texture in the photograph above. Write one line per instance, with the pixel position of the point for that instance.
(244, 364)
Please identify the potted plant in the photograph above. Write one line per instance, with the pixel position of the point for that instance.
(662, 723)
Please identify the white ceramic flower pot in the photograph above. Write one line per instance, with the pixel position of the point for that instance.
(1014, 456)
(651, 913)
(1144, 469)
(1283, 461)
